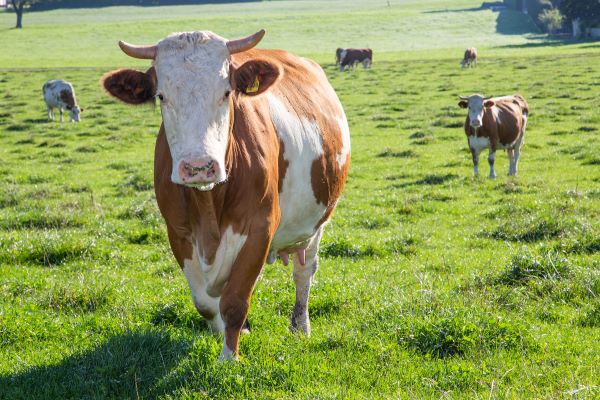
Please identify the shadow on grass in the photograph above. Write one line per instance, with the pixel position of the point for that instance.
(546, 42)
(131, 365)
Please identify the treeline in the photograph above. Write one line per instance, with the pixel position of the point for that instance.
(53, 4)
(557, 15)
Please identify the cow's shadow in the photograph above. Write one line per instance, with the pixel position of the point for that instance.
(130, 365)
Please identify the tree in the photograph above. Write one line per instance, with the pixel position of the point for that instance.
(588, 11)
(19, 7)
(552, 19)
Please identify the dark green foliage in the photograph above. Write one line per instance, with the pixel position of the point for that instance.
(528, 229)
(526, 266)
(586, 10)
(460, 334)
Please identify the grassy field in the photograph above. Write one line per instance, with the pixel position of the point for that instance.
(432, 283)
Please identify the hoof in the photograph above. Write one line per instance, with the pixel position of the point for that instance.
(246, 328)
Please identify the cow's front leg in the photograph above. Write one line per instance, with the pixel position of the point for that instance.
(491, 160)
(235, 299)
(60, 112)
(475, 155)
(303, 274)
(50, 114)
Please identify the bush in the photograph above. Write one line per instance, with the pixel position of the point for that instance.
(551, 19)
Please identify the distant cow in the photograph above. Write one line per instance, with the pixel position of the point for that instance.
(470, 58)
(351, 57)
(495, 123)
(60, 94)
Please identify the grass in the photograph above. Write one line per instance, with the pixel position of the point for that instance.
(432, 283)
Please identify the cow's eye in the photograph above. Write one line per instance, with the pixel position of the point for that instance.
(160, 96)
(227, 93)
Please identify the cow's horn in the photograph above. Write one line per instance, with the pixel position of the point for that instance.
(463, 98)
(147, 52)
(487, 98)
(239, 45)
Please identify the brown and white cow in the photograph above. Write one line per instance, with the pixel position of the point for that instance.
(250, 161)
(495, 123)
(470, 58)
(351, 57)
(60, 94)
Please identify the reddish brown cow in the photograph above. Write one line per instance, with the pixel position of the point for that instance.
(495, 123)
(351, 57)
(250, 161)
(470, 58)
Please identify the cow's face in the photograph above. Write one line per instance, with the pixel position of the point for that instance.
(192, 71)
(194, 79)
(74, 114)
(475, 103)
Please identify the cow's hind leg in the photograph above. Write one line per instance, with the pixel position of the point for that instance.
(517, 154)
(511, 161)
(60, 112)
(303, 275)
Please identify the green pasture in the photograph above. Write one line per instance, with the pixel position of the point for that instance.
(432, 283)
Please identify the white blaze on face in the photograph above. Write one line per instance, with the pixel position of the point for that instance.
(192, 72)
(476, 110)
(303, 144)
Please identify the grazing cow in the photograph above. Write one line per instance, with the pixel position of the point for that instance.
(60, 94)
(250, 162)
(495, 123)
(351, 57)
(470, 58)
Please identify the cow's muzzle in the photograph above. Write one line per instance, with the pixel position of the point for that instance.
(199, 172)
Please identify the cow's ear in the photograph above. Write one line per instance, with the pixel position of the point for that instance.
(489, 103)
(254, 77)
(463, 104)
(130, 86)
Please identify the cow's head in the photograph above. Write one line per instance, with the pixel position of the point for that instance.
(193, 77)
(475, 103)
(74, 113)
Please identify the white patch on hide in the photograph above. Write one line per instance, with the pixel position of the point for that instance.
(479, 143)
(207, 280)
(303, 144)
(345, 131)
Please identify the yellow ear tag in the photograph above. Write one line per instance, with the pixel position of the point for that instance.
(253, 88)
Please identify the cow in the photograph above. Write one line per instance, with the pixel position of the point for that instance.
(495, 122)
(351, 57)
(470, 58)
(250, 161)
(60, 94)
